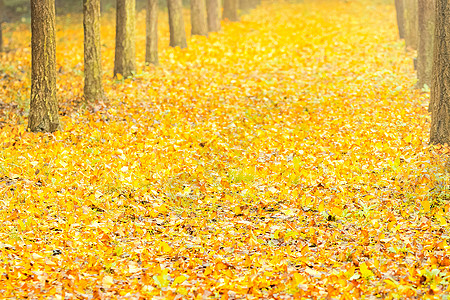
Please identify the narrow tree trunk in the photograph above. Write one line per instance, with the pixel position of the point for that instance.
(125, 59)
(426, 19)
(151, 34)
(411, 24)
(199, 24)
(93, 89)
(176, 24)
(2, 9)
(213, 12)
(400, 18)
(440, 89)
(43, 104)
(1, 37)
(230, 10)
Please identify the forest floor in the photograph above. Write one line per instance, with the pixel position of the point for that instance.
(284, 157)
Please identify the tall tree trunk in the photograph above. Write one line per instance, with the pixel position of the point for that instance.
(151, 34)
(176, 24)
(213, 12)
(43, 104)
(199, 24)
(125, 59)
(230, 10)
(440, 88)
(93, 89)
(2, 9)
(411, 24)
(426, 17)
(400, 18)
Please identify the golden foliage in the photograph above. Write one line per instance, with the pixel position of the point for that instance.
(283, 157)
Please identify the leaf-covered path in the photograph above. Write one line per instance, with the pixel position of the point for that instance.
(283, 157)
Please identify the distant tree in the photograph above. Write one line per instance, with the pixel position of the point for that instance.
(2, 9)
(43, 115)
(213, 15)
(440, 88)
(410, 9)
(93, 89)
(246, 5)
(151, 35)
(125, 56)
(400, 18)
(199, 25)
(426, 19)
(230, 12)
(176, 24)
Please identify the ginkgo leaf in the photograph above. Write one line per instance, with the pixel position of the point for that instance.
(108, 281)
(365, 271)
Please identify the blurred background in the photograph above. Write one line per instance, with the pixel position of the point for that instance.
(15, 10)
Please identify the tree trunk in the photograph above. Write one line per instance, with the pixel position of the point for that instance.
(176, 24)
(230, 10)
(43, 104)
(426, 19)
(400, 18)
(199, 25)
(125, 59)
(411, 24)
(2, 9)
(213, 12)
(93, 89)
(440, 88)
(151, 34)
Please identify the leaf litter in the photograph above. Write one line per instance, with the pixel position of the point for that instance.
(284, 157)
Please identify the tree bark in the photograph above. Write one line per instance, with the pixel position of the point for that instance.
(93, 89)
(411, 24)
(2, 8)
(151, 34)
(176, 24)
(213, 15)
(400, 18)
(230, 10)
(125, 59)
(43, 104)
(199, 25)
(440, 88)
(426, 19)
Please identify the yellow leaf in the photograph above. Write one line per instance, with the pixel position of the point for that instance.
(408, 138)
(165, 247)
(365, 272)
(182, 291)
(426, 205)
(336, 211)
(442, 220)
(179, 279)
(321, 207)
(350, 272)
(298, 278)
(237, 210)
(107, 281)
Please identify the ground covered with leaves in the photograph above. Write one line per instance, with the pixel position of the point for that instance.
(284, 157)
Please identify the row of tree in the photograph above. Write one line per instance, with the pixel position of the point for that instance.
(425, 26)
(43, 117)
(416, 25)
